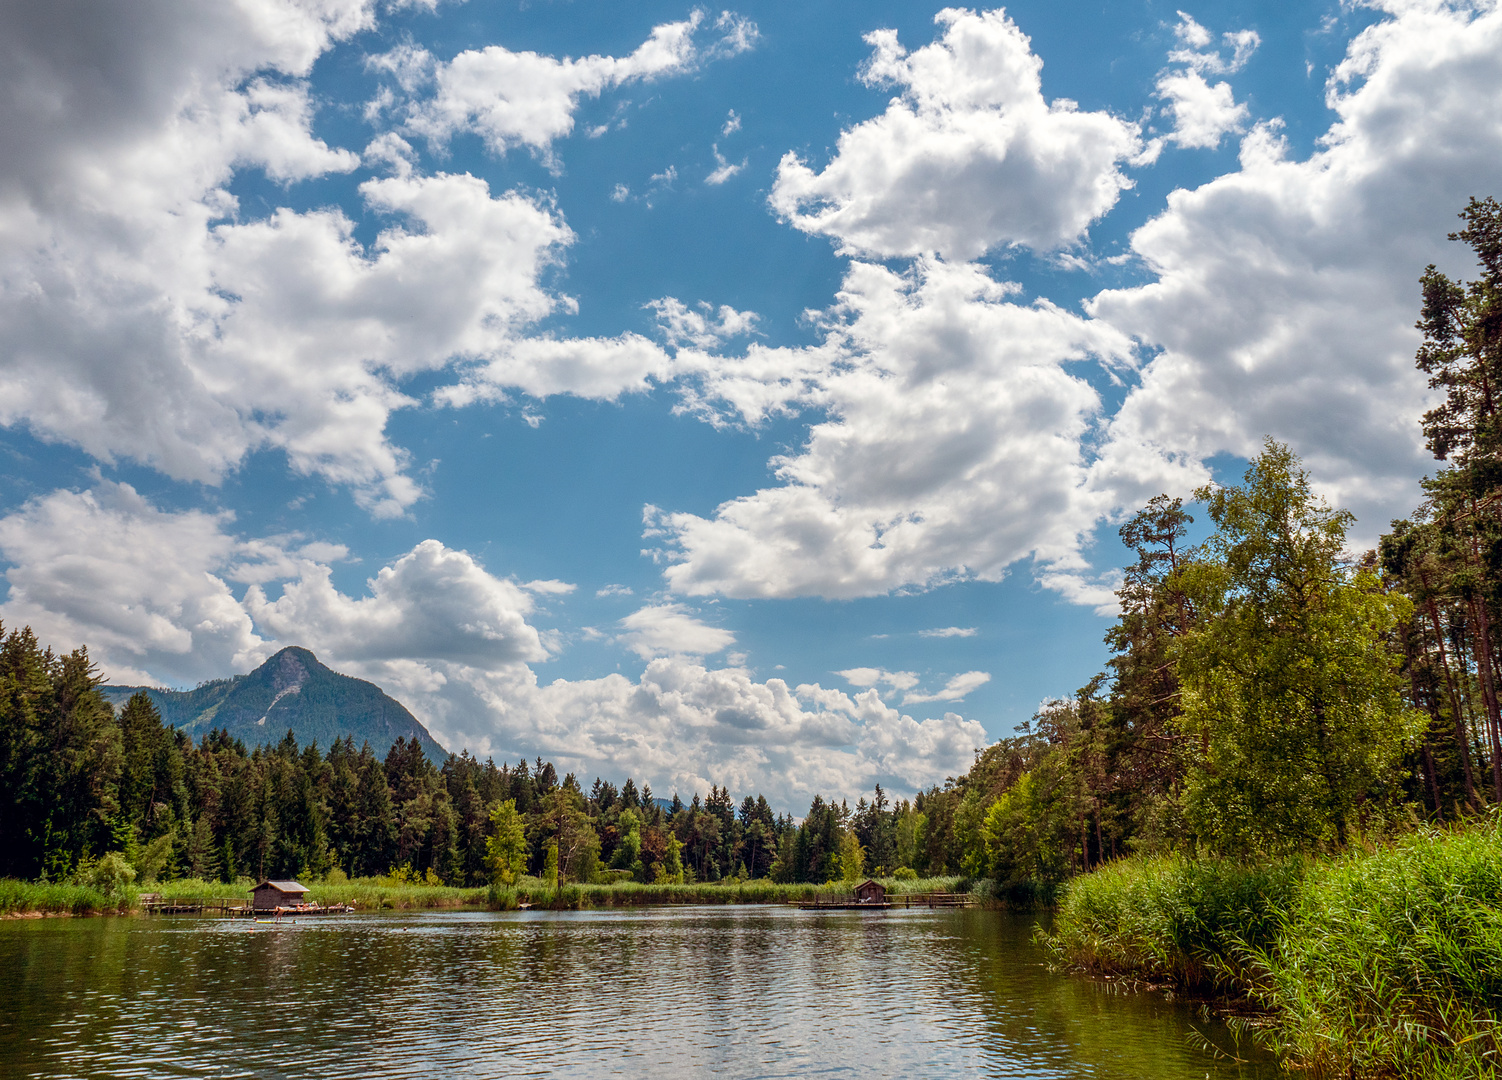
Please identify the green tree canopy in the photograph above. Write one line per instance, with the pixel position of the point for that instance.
(1291, 697)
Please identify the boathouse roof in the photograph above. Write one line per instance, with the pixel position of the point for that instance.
(281, 886)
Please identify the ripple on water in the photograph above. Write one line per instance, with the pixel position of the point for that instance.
(735, 992)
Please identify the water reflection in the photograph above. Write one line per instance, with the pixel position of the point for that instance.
(737, 992)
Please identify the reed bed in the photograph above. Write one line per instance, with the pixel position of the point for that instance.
(1374, 964)
(373, 894)
(1390, 964)
(18, 898)
(539, 893)
(1195, 924)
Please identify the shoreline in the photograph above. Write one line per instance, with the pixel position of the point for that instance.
(37, 900)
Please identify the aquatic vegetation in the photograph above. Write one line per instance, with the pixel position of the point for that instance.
(1381, 963)
(57, 898)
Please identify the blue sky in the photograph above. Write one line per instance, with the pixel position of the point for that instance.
(742, 396)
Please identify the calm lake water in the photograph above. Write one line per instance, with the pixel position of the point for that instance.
(736, 992)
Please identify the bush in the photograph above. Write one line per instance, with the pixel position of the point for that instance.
(1195, 924)
(111, 875)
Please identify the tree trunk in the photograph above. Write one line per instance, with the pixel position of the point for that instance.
(1488, 691)
(1433, 709)
(1461, 742)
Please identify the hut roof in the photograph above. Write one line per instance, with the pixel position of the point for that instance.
(282, 886)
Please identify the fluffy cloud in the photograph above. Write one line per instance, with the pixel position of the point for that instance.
(954, 690)
(701, 327)
(949, 631)
(119, 136)
(952, 447)
(525, 99)
(684, 726)
(672, 629)
(141, 317)
(431, 604)
(320, 328)
(1204, 114)
(88, 569)
(955, 439)
(867, 676)
(723, 170)
(1285, 292)
(455, 643)
(969, 157)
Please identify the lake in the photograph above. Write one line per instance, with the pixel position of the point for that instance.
(661, 992)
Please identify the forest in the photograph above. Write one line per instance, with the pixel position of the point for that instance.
(81, 780)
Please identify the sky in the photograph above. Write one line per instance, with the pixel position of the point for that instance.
(745, 396)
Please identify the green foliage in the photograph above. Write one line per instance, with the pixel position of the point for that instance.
(506, 847)
(1370, 964)
(1391, 964)
(1169, 919)
(111, 875)
(849, 863)
(1030, 830)
(1292, 702)
(33, 897)
(672, 867)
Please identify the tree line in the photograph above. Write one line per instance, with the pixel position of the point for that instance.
(79, 779)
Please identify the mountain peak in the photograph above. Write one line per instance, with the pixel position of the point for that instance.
(290, 668)
(290, 691)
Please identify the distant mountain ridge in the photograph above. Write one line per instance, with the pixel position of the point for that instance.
(292, 691)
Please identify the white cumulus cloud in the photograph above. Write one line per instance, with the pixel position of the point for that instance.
(528, 99)
(867, 676)
(951, 447)
(93, 568)
(954, 690)
(1204, 114)
(672, 629)
(1285, 292)
(969, 157)
(701, 326)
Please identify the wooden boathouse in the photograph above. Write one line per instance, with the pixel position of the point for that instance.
(270, 895)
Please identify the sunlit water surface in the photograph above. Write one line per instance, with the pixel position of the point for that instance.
(736, 992)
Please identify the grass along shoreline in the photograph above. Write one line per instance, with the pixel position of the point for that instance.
(1378, 964)
(22, 899)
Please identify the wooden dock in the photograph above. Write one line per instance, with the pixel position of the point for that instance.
(153, 904)
(892, 900)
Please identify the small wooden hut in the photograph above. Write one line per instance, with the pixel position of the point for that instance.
(870, 892)
(269, 895)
